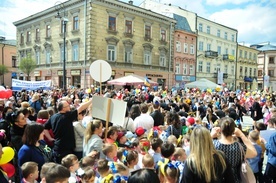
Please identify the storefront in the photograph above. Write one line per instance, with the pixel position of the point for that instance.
(76, 78)
(37, 75)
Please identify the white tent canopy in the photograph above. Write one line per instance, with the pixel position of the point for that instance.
(131, 80)
(202, 84)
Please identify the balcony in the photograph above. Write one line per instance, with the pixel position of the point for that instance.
(126, 34)
(225, 75)
(228, 57)
(211, 54)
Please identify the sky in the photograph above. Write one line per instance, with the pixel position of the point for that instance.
(254, 19)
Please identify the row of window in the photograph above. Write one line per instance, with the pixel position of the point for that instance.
(209, 48)
(217, 67)
(185, 69)
(185, 48)
(246, 71)
(208, 31)
(75, 27)
(249, 56)
(270, 73)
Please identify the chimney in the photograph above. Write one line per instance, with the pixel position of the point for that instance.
(130, 2)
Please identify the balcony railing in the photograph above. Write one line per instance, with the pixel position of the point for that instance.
(211, 54)
(228, 57)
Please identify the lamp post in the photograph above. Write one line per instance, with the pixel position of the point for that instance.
(60, 7)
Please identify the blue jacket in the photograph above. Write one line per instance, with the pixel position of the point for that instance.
(271, 150)
(254, 161)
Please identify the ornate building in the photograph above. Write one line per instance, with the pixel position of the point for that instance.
(131, 39)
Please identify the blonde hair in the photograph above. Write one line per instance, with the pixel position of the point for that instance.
(25, 104)
(148, 161)
(90, 129)
(201, 160)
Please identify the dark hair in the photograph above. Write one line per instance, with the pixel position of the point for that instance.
(173, 119)
(167, 149)
(134, 111)
(28, 168)
(68, 160)
(25, 111)
(43, 114)
(103, 166)
(144, 175)
(260, 126)
(5, 110)
(131, 156)
(155, 143)
(144, 108)
(12, 117)
(87, 161)
(45, 167)
(57, 173)
(32, 133)
(227, 126)
(60, 105)
(272, 121)
(88, 174)
(111, 131)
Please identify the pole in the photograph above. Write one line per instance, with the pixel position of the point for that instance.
(264, 73)
(64, 54)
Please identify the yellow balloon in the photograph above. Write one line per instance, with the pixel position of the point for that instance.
(8, 154)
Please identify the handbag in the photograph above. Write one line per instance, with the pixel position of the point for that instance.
(246, 173)
(46, 152)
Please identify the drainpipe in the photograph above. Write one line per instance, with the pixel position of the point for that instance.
(3, 61)
(84, 43)
(170, 50)
(236, 64)
(196, 46)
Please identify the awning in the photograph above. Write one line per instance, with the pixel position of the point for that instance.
(248, 79)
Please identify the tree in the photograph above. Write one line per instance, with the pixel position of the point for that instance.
(27, 65)
(3, 70)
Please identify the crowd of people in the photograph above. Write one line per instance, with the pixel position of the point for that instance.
(178, 136)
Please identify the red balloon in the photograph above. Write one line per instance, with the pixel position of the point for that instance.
(9, 92)
(9, 169)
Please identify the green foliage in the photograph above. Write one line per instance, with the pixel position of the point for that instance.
(3, 70)
(27, 65)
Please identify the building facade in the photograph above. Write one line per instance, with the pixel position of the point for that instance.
(247, 67)
(131, 39)
(8, 57)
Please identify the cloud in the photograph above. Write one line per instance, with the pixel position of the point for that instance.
(223, 2)
(254, 23)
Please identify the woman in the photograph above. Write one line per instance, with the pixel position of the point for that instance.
(34, 147)
(19, 122)
(174, 127)
(228, 144)
(134, 111)
(205, 163)
(92, 141)
(79, 133)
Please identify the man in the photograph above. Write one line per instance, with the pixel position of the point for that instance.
(144, 120)
(62, 125)
(157, 116)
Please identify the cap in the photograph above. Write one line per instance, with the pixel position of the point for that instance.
(140, 131)
(120, 135)
(191, 120)
(129, 135)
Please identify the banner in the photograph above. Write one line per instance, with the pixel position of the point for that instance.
(18, 85)
(266, 81)
(220, 77)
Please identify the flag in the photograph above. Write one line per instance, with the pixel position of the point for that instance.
(146, 82)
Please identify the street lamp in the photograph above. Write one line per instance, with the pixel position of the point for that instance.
(60, 7)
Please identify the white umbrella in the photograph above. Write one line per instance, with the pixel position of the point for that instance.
(131, 80)
(203, 84)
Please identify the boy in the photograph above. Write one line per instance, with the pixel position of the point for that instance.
(103, 170)
(44, 170)
(29, 172)
(71, 162)
(148, 161)
(110, 151)
(179, 158)
(156, 144)
(57, 174)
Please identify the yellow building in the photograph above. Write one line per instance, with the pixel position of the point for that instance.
(131, 39)
(247, 66)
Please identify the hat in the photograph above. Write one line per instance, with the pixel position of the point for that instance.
(129, 135)
(140, 131)
(190, 120)
(120, 135)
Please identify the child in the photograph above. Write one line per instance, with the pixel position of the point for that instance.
(172, 139)
(112, 134)
(179, 157)
(254, 162)
(122, 170)
(30, 172)
(121, 139)
(186, 143)
(103, 170)
(144, 146)
(120, 154)
(44, 170)
(167, 150)
(131, 159)
(57, 174)
(110, 151)
(88, 175)
(168, 173)
(71, 162)
(156, 144)
(148, 161)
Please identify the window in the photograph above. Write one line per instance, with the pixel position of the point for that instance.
(37, 34)
(111, 53)
(112, 23)
(63, 26)
(177, 68)
(245, 71)
(233, 52)
(254, 72)
(48, 31)
(163, 35)
(178, 46)
(254, 56)
(200, 66)
(147, 57)
(250, 55)
(208, 67)
(28, 36)
(271, 73)
(240, 54)
(226, 50)
(225, 68)
(241, 71)
(200, 27)
(128, 26)
(233, 37)
(232, 69)
(260, 73)
(191, 69)
(225, 35)
(218, 33)
(192, 51)
(128, 54)
(37, 57)
(185, 69)
(13, 61)
(75, 52)
(218, 67)
(21, 38)
(62, 53)
(76, 23)
(250, 72)
(208, 29)
(208, 46)
(185, 48)
(245, 54)
(162, 59)
(48, 56)
(147, 31)
(219, 50)
(271, 60)
(200, 46)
